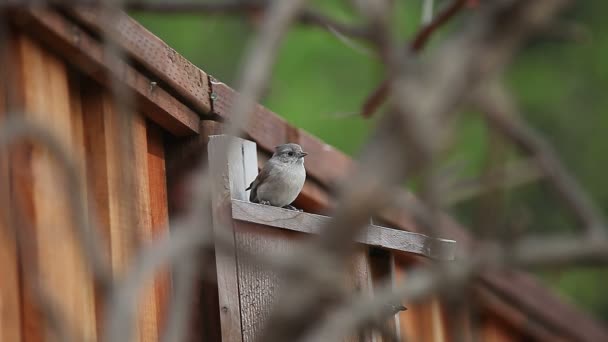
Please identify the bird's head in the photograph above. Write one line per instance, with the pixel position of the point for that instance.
(289, 153)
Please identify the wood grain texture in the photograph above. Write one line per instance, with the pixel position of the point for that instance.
(258, 286)
(228, 179)
(148, 320)
(153, 54)
(360, 281)
(159, 213)
(373, 235)
(127, 221)
(62, 270)
(423, 320)
(382, 270)
(516, 320)
(86, 53)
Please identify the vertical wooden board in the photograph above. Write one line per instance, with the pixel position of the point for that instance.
(382, 271)
(229, 176)
(258, 285)
(115, 210)
(143, 216)
(423, 320)
(159, 213)
(61, 266)
(10, 313)
(360, 279)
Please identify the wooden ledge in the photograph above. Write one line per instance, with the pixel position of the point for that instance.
(373, 235)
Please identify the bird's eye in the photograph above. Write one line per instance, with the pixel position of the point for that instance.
(290, 154)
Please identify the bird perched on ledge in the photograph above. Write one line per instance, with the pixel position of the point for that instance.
(281, 178)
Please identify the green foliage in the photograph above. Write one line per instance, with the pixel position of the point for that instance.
(319, 83)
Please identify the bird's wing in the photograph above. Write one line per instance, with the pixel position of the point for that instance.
(253, 195)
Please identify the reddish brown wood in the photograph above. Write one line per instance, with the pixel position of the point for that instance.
(159, 212)
(62, 271)
(143, 219)
(114, 210)
(86, 53)
(228, 172)
(513, 317)
(494, 330)
(525, 293)
(382, 271)
(150, 51)
(423, 320)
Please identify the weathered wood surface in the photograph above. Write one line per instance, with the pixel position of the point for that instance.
(228, 179)
(60, 266)
(127, 221)
(159, 212)
(150, 51)
(87, 53)
(372, 235)
(423, 320)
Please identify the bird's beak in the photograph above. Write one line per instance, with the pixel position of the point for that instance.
(302, 154)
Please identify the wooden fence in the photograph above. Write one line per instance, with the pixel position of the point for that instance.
(56, 73)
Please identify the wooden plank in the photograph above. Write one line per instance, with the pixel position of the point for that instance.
(127, 220)
(62, 270)
(360, 281)
(10, 294)
(422, 321)
(258, 286)
(159, 212)
(152, 53)
(228, 177)
(86, 53)
(382, 271)
(143, 216)
(372, 235)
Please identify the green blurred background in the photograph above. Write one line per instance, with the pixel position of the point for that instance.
(560, 81)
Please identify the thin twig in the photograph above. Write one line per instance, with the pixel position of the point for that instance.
(502, 115)
(424, 281)
(307, 16)
(381, 92)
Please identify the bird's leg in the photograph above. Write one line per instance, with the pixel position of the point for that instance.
(291, 207)
(265, 202)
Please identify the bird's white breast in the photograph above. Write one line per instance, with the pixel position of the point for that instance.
(283, 184)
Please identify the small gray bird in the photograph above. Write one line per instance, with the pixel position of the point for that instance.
(281, 179)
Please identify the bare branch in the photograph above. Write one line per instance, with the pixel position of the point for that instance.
(502, 115)
(424, 281)
(307, 16)
(380, 93)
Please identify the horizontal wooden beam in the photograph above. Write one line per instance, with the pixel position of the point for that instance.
(158, 58)
(87, 54)
(373, 235)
